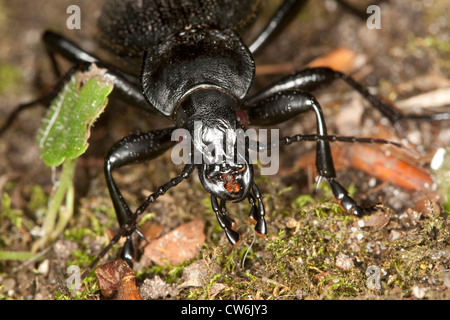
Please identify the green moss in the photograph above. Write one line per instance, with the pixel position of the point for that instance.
(442, 176)
(89, 291)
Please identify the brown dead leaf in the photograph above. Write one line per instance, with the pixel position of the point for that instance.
(117, 277)
(341, 59)
(128, 289)
(274, 68)
(319, 278)
(151, 230)
(108, 278)
(216, 288)
(378, 220)
(176, 246)
(399, 170)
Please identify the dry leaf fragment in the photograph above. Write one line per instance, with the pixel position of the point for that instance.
(176, 246)
(117, 277)
(108, 278)
(401, 172)
(341, 59)
(376, 220)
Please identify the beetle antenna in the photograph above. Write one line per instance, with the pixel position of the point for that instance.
(332, 138)
(15, 113)
(129, 226)
(45, 99)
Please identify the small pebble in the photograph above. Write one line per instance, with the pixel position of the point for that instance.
(344, 262)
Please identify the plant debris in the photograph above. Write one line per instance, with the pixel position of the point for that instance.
(176, 246)
(117, 277)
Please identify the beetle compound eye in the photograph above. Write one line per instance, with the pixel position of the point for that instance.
(242, 117)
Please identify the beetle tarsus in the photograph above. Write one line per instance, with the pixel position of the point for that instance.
(128, 253)
(261, 227)
(341, 196)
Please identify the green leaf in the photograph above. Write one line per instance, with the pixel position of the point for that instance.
(66, 128)
(63, 138)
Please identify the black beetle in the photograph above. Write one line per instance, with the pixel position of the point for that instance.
(196, 68)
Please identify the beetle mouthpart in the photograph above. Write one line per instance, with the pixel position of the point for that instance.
(225, 181)
(233, 180)
(233, 237)
(231, 184)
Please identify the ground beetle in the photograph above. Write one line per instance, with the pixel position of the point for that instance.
(195, 68)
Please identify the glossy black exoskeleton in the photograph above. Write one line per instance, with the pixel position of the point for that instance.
(195, 68)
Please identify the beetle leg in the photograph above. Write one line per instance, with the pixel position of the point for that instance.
(287, 11)
(132, 149)
(341, 196)
(126, 231)
(126, 87)
(314, 78)
(286, 105)
(45, 98)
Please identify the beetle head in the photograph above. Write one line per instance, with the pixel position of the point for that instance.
(218, 142)
(225, 170)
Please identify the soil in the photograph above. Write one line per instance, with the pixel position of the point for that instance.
(313, 249)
